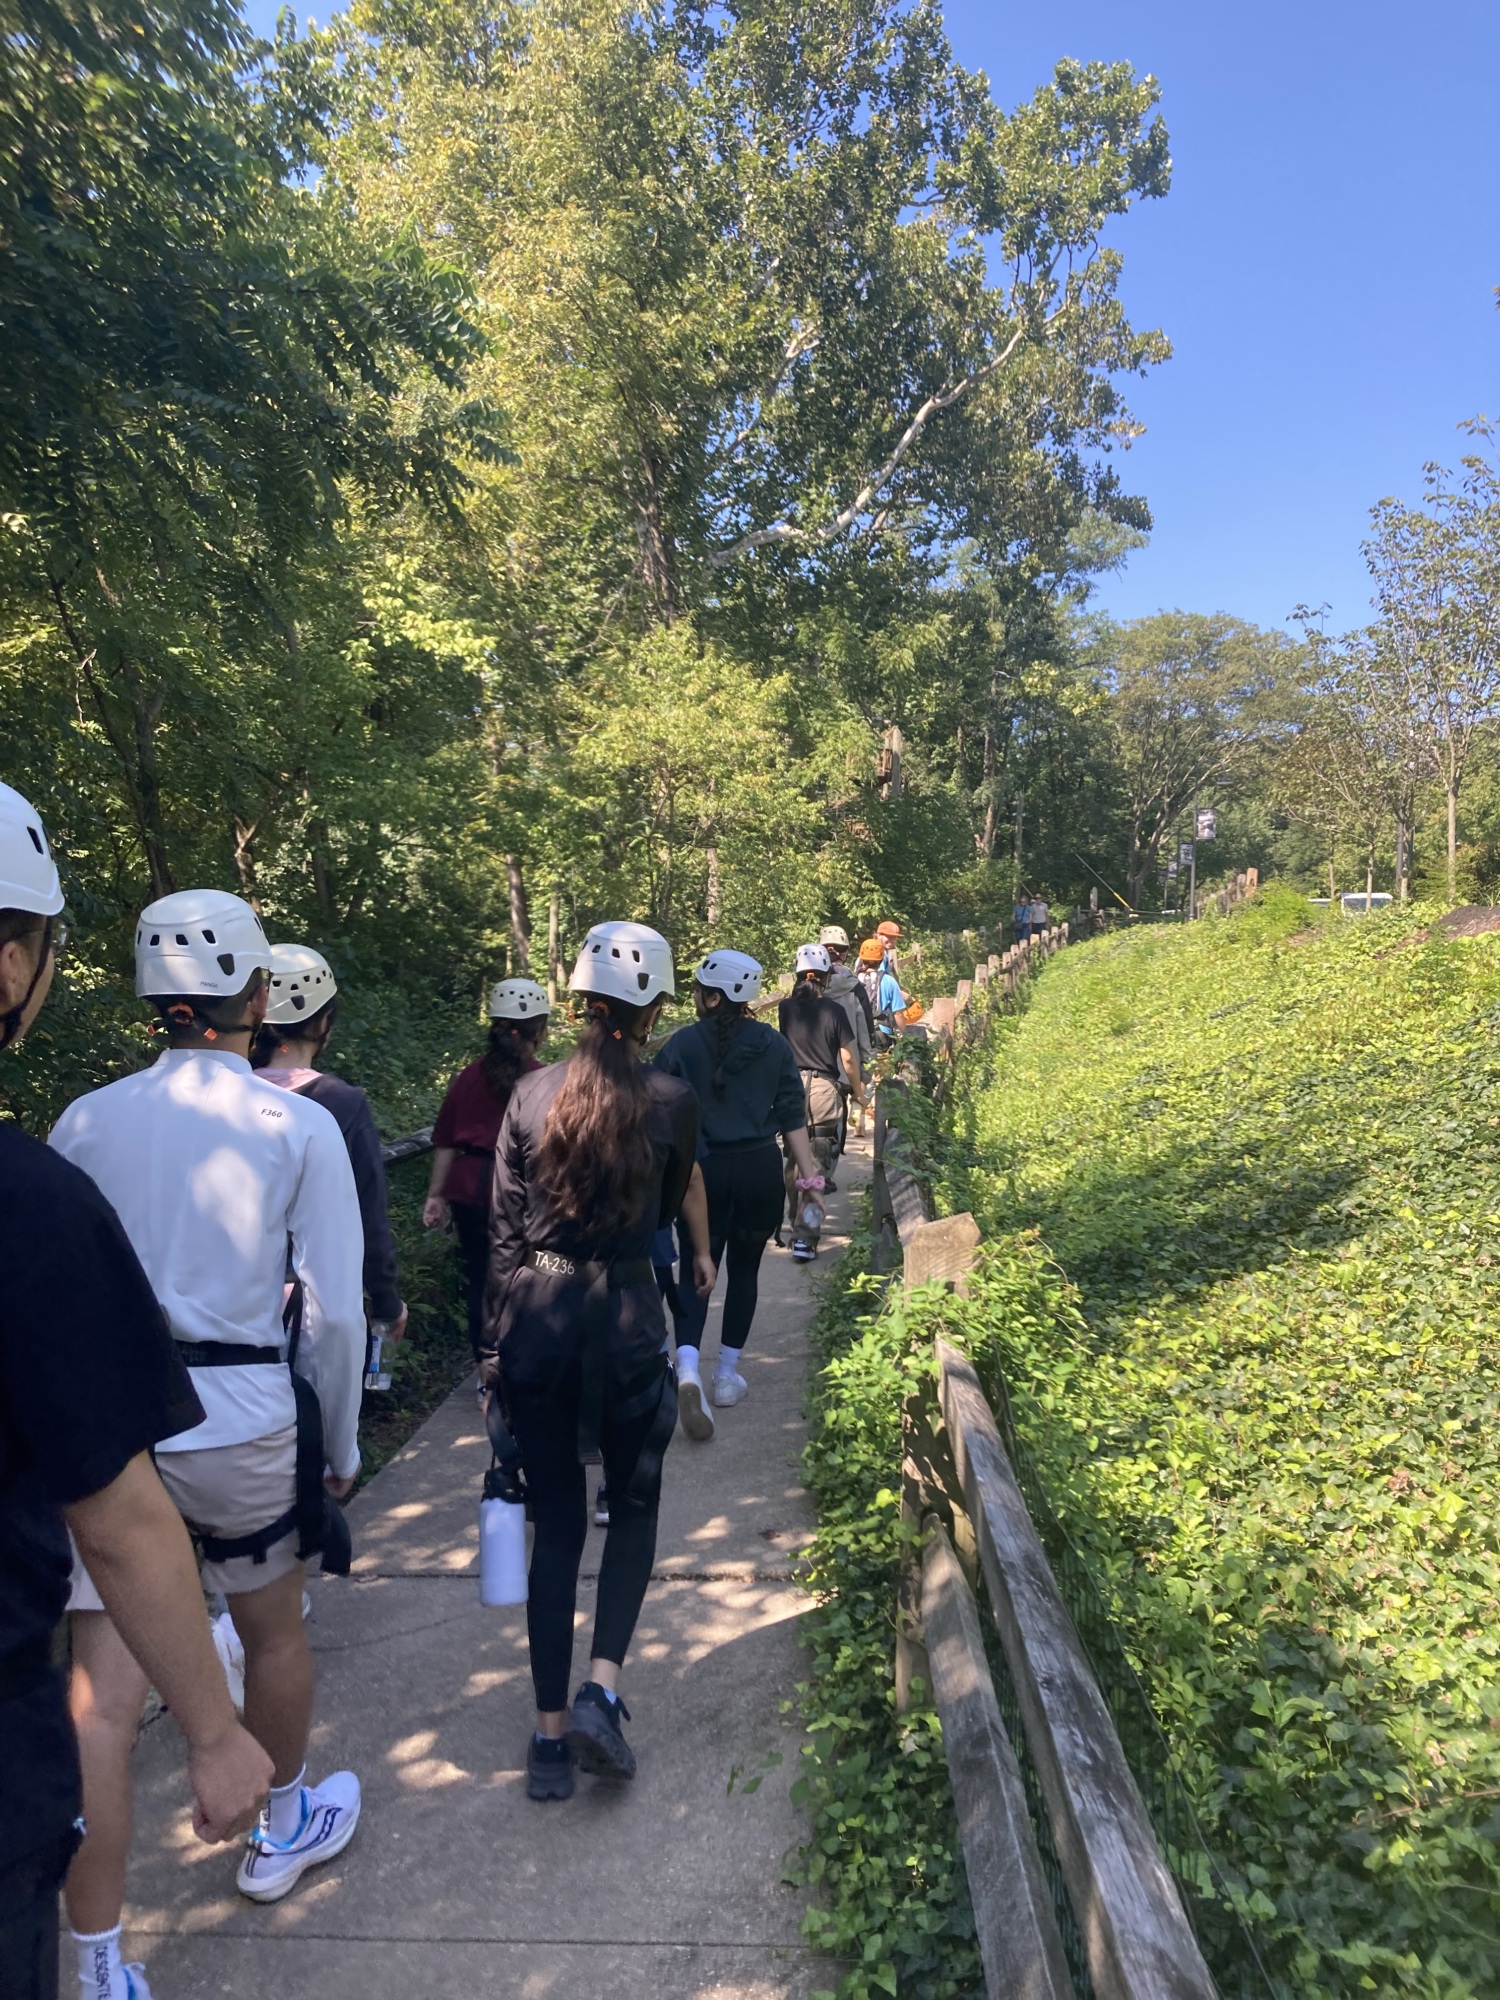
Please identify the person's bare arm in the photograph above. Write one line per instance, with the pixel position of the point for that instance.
(695, 1215)
(434, 1210)
(851, 1071)
(136, 1550)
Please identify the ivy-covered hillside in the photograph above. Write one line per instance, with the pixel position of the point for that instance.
(1267, 1153)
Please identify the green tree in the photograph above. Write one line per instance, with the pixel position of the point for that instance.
(1193, 698)
(1436, 571)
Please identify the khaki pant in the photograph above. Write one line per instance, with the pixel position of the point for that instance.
(823, 1106)
(230, 1490)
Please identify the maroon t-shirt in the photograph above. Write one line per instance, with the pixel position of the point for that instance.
(470, 1122)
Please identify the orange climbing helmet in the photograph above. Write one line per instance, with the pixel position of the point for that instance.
(888, 930)
(872, 951)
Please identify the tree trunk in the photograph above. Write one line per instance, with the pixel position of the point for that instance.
(520, 919)
(715, 888)
(1452, 791)
(658, 558)
(987, 785)
(244, 862)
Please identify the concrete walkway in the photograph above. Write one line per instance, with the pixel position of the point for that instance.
(456, 1883)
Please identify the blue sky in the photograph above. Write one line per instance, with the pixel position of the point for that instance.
(1325, 267)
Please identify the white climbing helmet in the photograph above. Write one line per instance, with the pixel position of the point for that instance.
(834, 934)
(28, 874)
(200, 943)
(625, 961)
(518, 1000)
(302, 982)
(735, 974)
(813, 958)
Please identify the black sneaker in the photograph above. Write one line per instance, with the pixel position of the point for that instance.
(595, 1737)
(549, 1768)
(601, 1506)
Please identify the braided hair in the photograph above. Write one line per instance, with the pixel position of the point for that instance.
(726, 1018)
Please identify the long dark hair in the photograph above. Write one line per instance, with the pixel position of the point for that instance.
(808, 991)
(596, 1147)
(506, 1051)
(726, 1018)
(270, 1035)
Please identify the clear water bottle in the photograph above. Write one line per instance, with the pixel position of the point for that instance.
(810, 1217)
(377, 1377)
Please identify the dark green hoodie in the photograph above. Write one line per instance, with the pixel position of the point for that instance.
(761, 1093)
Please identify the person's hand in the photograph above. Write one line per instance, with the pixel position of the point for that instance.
(230, 1777)
(705, 1274)
(434, 1215)
(339, 1488)
(395, 1333)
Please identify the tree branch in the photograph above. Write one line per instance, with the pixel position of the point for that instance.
(783, 532)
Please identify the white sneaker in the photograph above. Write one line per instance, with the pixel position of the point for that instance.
(231, 1658)
(803, 1251)
(729, 1390)
(330, 1813)
(696, 1419)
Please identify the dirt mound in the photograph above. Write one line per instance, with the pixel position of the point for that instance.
(1473, 920)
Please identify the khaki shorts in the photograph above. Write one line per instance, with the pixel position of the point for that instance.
(228, 1490)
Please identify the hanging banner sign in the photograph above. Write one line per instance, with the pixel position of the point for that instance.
(1207, 824)
(1185, 854)
(1171, 870)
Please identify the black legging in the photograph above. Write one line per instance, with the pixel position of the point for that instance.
(744, 1190)
(546, 1428)
(471, 1226)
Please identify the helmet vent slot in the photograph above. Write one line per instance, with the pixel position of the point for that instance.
(226, 963)
(36, 840)
(181, 937)
(209, 938)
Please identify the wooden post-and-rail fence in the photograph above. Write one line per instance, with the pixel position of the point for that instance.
(959, 1490)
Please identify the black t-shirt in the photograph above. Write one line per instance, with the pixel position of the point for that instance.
(89, 1377)
(816, 1034)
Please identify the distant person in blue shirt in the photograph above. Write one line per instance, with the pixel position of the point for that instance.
(881, 984)
(1023, 917)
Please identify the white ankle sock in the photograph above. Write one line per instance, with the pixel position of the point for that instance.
(728, 1362)
(101, 1971)
(286, 1809)
(687, 1364)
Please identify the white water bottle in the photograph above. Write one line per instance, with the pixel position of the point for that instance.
(502, 1549)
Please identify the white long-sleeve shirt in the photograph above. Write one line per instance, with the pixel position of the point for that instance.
(211, 1170)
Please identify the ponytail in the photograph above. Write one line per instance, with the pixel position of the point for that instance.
(504, 1058)
(807, 992)
(596, 1147)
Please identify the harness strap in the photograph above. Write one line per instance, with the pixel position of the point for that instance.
(654, 1445)
(225, 1548)
(594, 1360)
(226, 1354)
(313, 1516)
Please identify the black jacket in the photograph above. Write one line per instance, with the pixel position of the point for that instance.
(532, 1324)
(762, 1090)
(356, 1121)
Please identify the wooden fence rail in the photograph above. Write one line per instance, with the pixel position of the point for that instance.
(1136, 1936)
